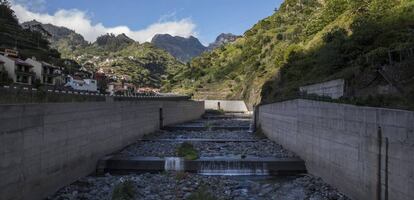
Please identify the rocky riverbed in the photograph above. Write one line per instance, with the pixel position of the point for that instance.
(175, 186)
(218, 134)
(219, 123)
(259, 148)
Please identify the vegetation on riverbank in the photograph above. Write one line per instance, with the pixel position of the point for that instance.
(124, 191)
(202, 193)
(187, 151)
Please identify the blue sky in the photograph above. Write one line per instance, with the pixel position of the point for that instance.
(141, 19)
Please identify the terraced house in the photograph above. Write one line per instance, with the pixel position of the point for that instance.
(48, 74)
(20, 71)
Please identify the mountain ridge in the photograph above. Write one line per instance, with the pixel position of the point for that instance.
(184, 49)
(118, 55)
(223, 39)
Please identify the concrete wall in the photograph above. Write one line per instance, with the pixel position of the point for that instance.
(334, 89)
(227, 106)
(340, 143)
(46, 146)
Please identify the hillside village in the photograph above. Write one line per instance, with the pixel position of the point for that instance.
(33, 73)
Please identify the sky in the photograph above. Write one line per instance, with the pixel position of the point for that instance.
(142, 19)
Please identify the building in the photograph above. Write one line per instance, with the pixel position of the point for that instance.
(79, 84)
(83, 73)
(2, 66)
(20, 71)
(4, 77)
(148, 91)
(121, 88)
(47, 73)
(115, 88)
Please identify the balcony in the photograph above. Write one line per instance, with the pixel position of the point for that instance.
(51, 72)
(24, 72)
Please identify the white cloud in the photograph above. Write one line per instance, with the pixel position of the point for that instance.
(80, 22)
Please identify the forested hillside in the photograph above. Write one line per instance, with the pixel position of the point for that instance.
(29, 43)
(309, 41)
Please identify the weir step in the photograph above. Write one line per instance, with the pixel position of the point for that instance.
(199, 140)
(227, 116)
(206, 166)
(204, 128)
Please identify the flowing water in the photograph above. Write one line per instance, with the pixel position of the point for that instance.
(233, 168)
(174, 164)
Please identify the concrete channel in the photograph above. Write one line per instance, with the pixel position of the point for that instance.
(233, 163)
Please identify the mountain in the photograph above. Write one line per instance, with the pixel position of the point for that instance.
(61, 38)
(307, 42)
(119, 56)
(223, 39)
(112, 42)
(184, 49)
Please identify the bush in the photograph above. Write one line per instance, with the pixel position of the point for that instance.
(124, 191)
(187, 151)
(202, 193)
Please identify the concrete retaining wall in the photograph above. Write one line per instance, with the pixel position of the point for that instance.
(341, 144)
(334, 89)
(46, 146)
(227, 106)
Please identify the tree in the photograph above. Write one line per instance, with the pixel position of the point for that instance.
(6, 12)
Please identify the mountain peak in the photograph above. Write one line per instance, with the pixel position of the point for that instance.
(223, 39)
(180, 47)
(110, 41)
(56, 34)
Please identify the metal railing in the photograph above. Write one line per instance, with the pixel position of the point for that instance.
(14, 94)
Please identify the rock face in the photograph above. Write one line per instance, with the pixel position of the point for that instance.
(56, 34)
(112, 42)
(223, 39)
(184, 49)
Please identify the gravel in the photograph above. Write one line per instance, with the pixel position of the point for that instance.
(171, 186)
(218, 134)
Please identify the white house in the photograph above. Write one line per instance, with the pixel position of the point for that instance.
(45, 72)
(87, 85)
(20, 71)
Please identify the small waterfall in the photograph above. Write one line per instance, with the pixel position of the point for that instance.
(233, 168)
(174, 164)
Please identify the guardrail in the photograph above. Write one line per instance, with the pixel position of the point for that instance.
(13, 94)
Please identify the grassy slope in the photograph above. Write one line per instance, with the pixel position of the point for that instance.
(305, 41)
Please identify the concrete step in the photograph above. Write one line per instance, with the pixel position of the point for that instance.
(199, 140)
(207, 166)
(228, 116)
(195, 127)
